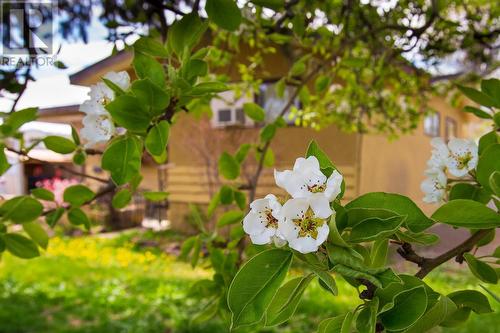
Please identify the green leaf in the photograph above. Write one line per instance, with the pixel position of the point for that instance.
(267, 133)
(378, 252)
(183, 35)
(224, 13)
(230, 217)
(129, 112)
(479, 113)
(298, 68)
(434, 316)
(20, 246)
(339, 324)
(157, 138)
(472, 299)
(77, 195)
(228, 166)
(242, 152)
(193, 69)
(491, 87)
(416, 220)
(321, 83)
(226, 195)
(254, 112)
(113, 86)
(17, 119)
(37, 233)
(255, 285)
(155, 196)
(4, 163)
(367, 318)
(75, 136)
(380, 280)
(147, 67)
(286, 300)
(418, 238)
(122, 198)
(76, 216)
(151, 97)
(150, 46)
(53, 217)
(241, 199)
(213, 204)
(374, 228)
(469, 191)
(42, 194)
(409, 306)
(122, 159)
(488, 163)
(495, 182)
(21, 209)
(334, 236)
(59, 144)
(487, 140)
(272, 4)
(79, 157)
(477, 96)
(467, 214)
(480, 269)
(327, 281)
(204, 88)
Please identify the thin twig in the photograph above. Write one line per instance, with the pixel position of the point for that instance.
(255, 179)
(108, 189)
(458, 250)
(63, 167)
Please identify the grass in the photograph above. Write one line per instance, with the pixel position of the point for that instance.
(109, 286)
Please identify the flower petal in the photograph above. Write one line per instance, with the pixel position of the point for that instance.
(263, 238)
(333, 185)
(304, 244)
(306, 164)
(320, 205)
(295, 208)
(253, 224)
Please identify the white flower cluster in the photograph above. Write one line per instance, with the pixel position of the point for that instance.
(302, 221)
(98, 126)
(458, 158)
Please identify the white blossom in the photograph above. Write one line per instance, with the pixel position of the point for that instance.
(98, 125)
(306, 180)
(97, 128)
(121, 79)
(440, 154)
(304, 224)
(434, 186)
(463, 156)
(261, 223)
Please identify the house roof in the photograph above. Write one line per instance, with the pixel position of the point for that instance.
(91, 74)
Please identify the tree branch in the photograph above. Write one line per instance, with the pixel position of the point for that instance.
(63, 167)
(108, 189)
(458, 250)
(255, 179)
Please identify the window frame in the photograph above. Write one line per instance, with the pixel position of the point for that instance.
(447, 122)
(437, 128)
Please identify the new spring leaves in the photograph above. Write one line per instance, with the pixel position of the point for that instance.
(302, 221)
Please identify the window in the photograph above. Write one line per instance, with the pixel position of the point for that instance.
(450, 128)
(431, 124)
(227, 117)
(224, 116)
(269, 100)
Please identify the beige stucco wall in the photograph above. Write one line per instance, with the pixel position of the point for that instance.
(398, 166)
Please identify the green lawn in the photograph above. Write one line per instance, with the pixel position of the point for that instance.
(108, 285)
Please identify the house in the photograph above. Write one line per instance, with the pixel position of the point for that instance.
(368, 162)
